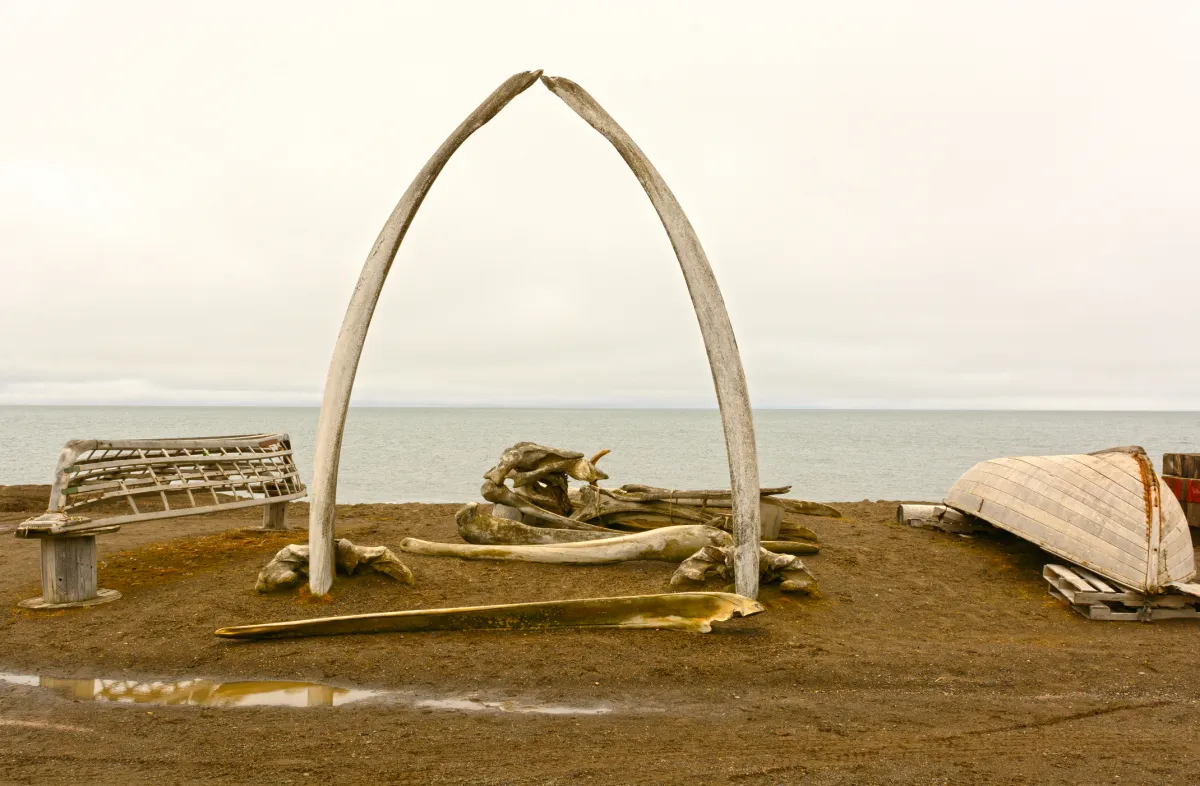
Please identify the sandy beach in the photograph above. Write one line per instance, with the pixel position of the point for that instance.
(930, 658)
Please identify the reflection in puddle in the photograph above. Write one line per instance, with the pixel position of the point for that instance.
(202, 692)
(474, 705)
(265, 693)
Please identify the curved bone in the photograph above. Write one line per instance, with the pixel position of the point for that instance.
(669, 544)
(482, 529)
(503, 495)
(526, 462)
(733, 398)
(790, 547)
(289, 565)
(787, 569)
(353, 334)
(688, 611)
(803, 507)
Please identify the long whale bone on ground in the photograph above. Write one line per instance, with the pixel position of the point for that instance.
(687, 611)
(289, 566)
(669, 544)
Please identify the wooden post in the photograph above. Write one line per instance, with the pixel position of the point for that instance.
(772, 520)
(275, 516)
(69, 574)
(1181, 473)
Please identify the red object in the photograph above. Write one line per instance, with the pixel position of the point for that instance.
(1184, 489)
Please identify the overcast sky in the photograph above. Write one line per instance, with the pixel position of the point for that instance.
(921, 205)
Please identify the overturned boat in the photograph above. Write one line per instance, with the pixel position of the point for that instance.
(1106, 511)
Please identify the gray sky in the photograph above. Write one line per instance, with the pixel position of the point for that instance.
(906, 204)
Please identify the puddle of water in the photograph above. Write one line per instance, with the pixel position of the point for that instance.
(199, 692)
(265, 693)
(476, 705)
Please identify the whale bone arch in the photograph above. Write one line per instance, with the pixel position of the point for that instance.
(733, 398)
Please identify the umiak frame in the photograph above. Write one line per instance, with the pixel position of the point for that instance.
(169, 478)
(733, 398)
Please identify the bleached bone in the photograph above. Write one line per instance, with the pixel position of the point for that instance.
(479, 528)
(733, 397)
(688, 611)
(790, 547)
(353, 334)
(526, 462)
(539, 477)
(792, 530)
(503, 495)
(669, 544)
(803, 507)
(290, 565)
(787, 569)
(592, 502)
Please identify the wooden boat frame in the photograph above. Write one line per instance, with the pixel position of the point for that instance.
(182, 477)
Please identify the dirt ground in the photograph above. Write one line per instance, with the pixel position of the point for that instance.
(930, 659)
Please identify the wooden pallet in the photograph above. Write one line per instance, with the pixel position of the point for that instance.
(1098, 599)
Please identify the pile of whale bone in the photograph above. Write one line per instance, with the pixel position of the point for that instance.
(541, 518)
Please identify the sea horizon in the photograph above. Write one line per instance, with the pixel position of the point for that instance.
(439, 454)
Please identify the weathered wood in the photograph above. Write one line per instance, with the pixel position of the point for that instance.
(1181, 472)
(939, 517)
(275, 516)
(687, 611)
(638, 492)
(181, 474)
(1094, 598)
(69, 574)
(1107, 511)
(69, 569)
(33, 528)
(1173, 464)
(733, 397)
(233, 472)
(771, 518)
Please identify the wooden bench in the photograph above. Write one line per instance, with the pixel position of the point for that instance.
(158, 479)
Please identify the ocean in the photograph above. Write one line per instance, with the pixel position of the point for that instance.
(439, 455)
